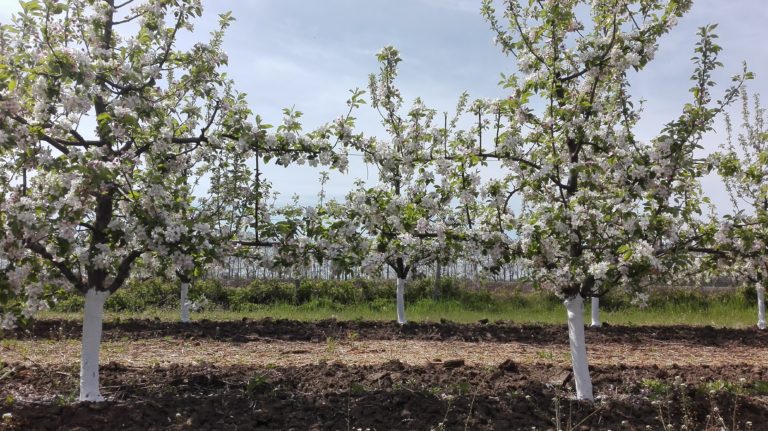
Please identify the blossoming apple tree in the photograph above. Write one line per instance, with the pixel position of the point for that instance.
(600, 208)
(102, 119)
(407, 215)
(183, 253)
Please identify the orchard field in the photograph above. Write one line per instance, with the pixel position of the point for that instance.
(227, 370)
(542, 259)
(235, 369)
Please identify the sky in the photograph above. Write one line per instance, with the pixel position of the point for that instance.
(307, 54)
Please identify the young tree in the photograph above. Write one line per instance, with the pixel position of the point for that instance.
(83, 206)
(600, 209)
(404, 213)
(739, 245)
(194, 244)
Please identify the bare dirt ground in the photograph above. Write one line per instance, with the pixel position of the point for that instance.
(377, 375)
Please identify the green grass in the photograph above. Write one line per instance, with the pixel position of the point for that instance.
(728, 311)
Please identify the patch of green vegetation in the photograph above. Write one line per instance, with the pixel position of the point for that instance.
(375, 300)
(759, 387)
(657, 388)
(257, 384)
(718, 386)
(356, 388)
(65, 399)
(461, 388)
(330, 345)
(545, 354)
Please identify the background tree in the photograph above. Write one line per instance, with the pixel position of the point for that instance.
(739, 243)
(283, 238)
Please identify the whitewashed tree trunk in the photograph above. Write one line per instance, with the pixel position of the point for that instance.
(575, 308)
(89, 359)
(595, 309)
(761, 307)
(184, 300)
(401, 301)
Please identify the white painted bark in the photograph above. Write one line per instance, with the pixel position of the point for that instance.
(595, 311)
(401, 301)
(89, 358)
(184, 302)
(761, 307)
(575, 309)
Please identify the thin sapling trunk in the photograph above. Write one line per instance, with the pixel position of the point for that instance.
(761, 307)
(184, 301)
(595, 311)
(401, 301)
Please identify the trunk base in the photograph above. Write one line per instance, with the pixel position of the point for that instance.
(595, 311)
(184, 303)
(401, 301)
(761, 307)
(575, 308)
(89, 357)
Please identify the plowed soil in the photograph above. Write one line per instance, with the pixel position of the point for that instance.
(333, 375)
(291, 330)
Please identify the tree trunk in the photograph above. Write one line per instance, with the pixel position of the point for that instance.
(596, 323)
(761, 307)
(401, 301)
(438, 273)
(89, 357)
(575, 308)
(296, 290)
(184, 302)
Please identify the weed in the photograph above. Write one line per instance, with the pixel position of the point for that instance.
(64, 400)
(330, 345)
(545, 354)
(356, 388)
(759, 387)
(723, 386)
(656, 388)
(257, 384)
(461, 388)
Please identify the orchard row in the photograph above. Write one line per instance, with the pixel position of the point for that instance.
(107, 129)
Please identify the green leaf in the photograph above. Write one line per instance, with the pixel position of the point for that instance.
(103, 117)
(58, 8)
(30, 6)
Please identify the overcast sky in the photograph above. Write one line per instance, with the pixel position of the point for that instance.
(309, 53)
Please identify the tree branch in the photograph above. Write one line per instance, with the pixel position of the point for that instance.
(124, 270)
(76, 281)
